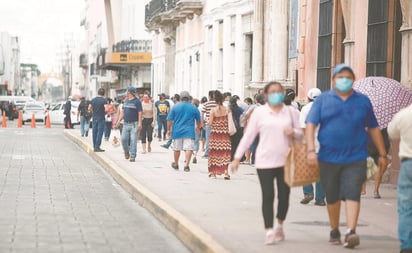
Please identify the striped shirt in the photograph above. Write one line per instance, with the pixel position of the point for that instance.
(207, 108)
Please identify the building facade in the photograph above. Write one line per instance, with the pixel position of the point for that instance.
(211, 44)
(115, 50)
(9, 64)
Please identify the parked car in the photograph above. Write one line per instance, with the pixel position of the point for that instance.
(38, 109)
(57, 115)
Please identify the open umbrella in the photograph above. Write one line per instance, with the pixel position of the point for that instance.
(388, 97)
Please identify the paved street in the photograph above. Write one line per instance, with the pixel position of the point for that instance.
(230, 211)
(54, 198)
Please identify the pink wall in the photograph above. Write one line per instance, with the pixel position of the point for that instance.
(360, 36)
(308, 47)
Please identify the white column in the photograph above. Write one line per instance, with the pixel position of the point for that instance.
(215, 55)
(239, 59)
(348, 42)
(258, 16)
(406, 31)
(228, 81)
(279, 40)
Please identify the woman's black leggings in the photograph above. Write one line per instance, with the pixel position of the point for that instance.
(147, 130)
(266, 178)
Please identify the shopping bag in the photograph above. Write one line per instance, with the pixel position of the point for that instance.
(297, 170)
(115, 139)
(231, 124)
(371, 168)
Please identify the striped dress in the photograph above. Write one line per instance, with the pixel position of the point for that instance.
(219, 146)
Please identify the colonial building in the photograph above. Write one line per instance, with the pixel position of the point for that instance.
(203, 45)
(116, 49)
(9, 65)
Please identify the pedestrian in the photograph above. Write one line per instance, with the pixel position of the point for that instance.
(342, 154)
(97, 106)
(148, 122)
(67, 113)
(290, 99)
(196, 103)
(175, 100)
(226, 99)
(400, 128)
(276, 124)
(162, 109)
(237, 112)
(202, 129)
(308, 192)
(251, 152)
(109, 118)
(219, 143)
(85, 116)
(132, 115)
(183, 122)
(207, 108)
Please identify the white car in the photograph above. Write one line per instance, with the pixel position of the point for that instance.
(57, 115)
(36, 109)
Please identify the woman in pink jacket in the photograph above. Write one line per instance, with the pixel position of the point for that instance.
(276, 124)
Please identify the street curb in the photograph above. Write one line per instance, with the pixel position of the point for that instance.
(192, 236)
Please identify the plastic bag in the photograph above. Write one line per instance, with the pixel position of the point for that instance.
(115, 139)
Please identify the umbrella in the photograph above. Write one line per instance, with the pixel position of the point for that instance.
(387, 96)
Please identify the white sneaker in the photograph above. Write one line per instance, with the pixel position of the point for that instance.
(279, 235)
(270, 237)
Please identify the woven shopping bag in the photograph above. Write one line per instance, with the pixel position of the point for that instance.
(297, 170)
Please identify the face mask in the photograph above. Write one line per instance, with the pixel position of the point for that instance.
(344, 84)
(276, 98)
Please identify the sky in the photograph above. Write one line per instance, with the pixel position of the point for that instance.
(41, 26)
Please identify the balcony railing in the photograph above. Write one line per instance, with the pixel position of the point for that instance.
(132, 46)
(159, 12)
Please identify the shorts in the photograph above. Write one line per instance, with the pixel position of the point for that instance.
(184, 144)
(342, 181)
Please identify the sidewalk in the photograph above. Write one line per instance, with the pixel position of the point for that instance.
(230, 211)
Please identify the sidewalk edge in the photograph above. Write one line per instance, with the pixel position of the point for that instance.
(192, 236)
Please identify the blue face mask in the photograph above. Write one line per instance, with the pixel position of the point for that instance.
(344, 84)
(276, 98)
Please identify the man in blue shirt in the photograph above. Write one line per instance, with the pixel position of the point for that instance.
(132, 115)
(97, 106)
(184, 118)
(345, 118)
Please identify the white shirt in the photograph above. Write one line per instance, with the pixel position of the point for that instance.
(401, 128)
(302, 118)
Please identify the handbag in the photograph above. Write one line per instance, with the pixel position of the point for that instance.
(297, 170)
(231, 124)
(371, 168)
(115, 139)
(107, 118)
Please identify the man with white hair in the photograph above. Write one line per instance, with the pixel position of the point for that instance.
(308, 189)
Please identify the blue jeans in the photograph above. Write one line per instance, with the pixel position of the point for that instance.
(98, 130)
(405, 205)
(169, 142)
(197, 142)
(208, 130)
(129, 135)
(84, 125)
(320, 195)
(161, 123)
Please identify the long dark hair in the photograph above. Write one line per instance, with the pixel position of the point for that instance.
(233, 104)
(218, 97)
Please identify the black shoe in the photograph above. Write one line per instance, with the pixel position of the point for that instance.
(98, 150)
(335, 237)
(87, 133)
(132, 159)
(187, 169)
(175, 166)
(351, 240)
(194, 160)
(320, 203)
(307, 199)
(126, 155)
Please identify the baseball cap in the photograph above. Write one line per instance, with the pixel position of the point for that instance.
(184, 94)
(313, 93)
(132, 90)
(341, 67)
